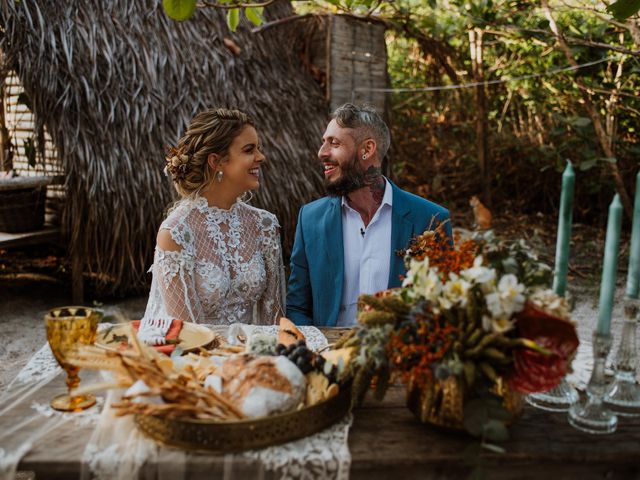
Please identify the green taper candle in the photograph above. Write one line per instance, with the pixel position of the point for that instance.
(610, 267)
(564, 231)
(633, 277)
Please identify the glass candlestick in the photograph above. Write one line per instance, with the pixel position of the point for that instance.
(591, 415)
(623, 396)
(559, 399)
(562, 396)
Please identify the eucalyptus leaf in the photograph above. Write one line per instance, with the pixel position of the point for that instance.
(475, 416)
(253, 16)
(496, 431)
(494, 448)
(623, 9)
(478, 473)
(588, 164)
(179, 10)
(233, 18)
(471, 454)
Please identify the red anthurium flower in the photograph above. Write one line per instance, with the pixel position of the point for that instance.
(537, 370)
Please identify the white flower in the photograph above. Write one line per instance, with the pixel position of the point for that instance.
(424, 281)
(496, 325)
(417, 270)
(454, 292)
(478, 273)
(430, 286)
(511, 294)
(508, 299)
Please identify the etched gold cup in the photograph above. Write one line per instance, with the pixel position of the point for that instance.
(67, 328)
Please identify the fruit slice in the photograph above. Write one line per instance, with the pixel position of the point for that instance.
(288, 333)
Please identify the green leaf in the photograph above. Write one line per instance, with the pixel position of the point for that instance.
(588, 164)
(493, 448)
(179, 10)
(609, 159)
(623, 9)
(478, 473)
(496, 431)
(471, 454)
(475, 416)
(233, 18)
(581, 122)
(252, 16)
(30, 152)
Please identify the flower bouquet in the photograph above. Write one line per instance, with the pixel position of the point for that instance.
(471, 329)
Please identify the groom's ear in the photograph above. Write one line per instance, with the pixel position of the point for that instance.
(369, 147)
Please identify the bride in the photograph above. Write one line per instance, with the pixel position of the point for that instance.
(217, 259)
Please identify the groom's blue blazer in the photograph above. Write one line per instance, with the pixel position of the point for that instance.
(315, 285)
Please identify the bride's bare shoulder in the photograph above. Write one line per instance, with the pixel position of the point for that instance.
(166, 242)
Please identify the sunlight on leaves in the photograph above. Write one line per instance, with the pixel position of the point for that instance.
(179, 10)
(233, 19)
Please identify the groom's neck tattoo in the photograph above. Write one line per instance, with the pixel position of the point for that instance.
(375, 181)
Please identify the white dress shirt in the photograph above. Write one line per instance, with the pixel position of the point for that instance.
(367, 254)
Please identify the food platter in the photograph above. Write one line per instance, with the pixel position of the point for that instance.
(250, 434)
(191, 337)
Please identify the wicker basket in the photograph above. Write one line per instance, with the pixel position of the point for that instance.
(22, 204)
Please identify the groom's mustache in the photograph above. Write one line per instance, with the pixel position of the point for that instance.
(351, 178)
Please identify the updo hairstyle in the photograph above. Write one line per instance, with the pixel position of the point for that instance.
(211, 131)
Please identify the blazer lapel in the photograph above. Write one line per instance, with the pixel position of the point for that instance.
(334, 272)
(402, 229)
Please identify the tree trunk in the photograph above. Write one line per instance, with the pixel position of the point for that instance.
(475, 45)
(605, 141)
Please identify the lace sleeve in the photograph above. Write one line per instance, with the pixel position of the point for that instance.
(172, 296)
(271, 304)
(175, 272)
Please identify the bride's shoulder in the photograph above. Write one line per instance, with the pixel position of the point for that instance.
(266, 220)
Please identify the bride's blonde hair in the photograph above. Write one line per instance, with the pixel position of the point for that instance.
(211, 131)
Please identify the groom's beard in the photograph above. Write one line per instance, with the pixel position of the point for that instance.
(352, 178)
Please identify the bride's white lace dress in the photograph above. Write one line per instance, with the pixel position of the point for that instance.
(228, 268)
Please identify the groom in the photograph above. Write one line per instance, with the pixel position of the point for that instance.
(346, 242)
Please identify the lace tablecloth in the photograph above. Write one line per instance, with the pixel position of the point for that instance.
(115, 449)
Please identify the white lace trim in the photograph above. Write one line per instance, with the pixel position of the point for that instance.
(324, 455)
(42, 365)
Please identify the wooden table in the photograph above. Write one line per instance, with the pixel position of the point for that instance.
(387, 442)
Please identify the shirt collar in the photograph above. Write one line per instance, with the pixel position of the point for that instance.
(387, 198)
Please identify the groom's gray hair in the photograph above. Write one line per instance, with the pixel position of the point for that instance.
(366, 122)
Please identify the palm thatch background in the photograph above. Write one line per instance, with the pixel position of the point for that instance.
(114, 82)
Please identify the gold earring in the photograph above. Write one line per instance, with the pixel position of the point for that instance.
(219, 175)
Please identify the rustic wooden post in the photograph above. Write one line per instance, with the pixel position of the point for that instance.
(475, 45)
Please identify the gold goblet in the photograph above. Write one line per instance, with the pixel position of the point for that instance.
(68, 327)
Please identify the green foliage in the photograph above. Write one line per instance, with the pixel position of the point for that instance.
(535, 122)
(254, 15)
(233, 18)
(623, 9)
(179, 10)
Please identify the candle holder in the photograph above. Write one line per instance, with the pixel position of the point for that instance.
(559, 399)
(591, 415)
(623, 396)
(562, 396)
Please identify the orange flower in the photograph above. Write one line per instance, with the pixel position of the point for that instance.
(441, 253)
(413, 349)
